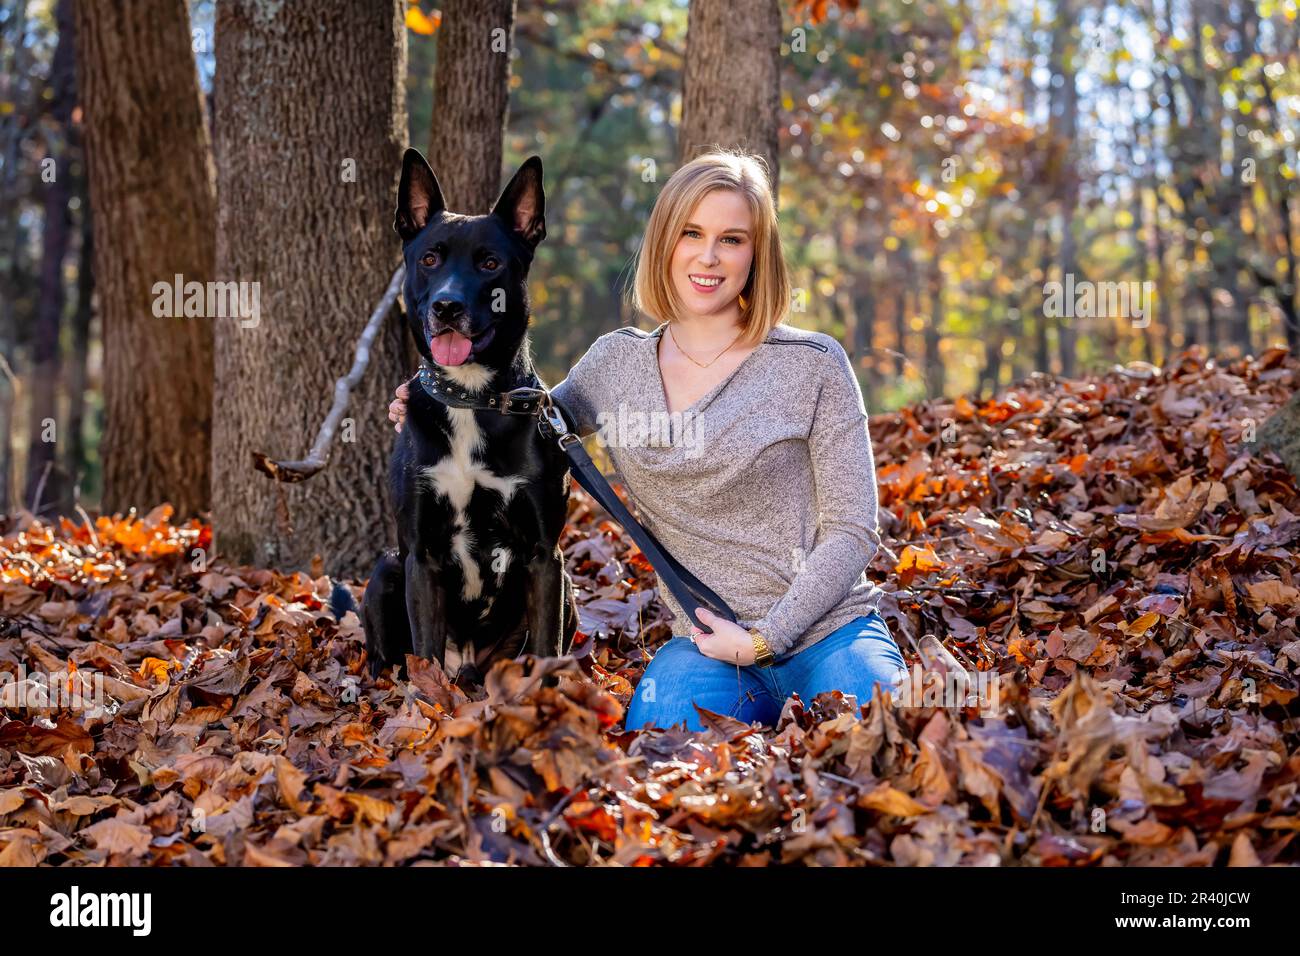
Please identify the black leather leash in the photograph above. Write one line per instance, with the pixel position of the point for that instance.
(690, 592)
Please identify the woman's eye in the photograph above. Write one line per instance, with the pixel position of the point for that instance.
(695, 232)
(429, 259)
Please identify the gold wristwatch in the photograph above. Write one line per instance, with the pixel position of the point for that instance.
(763, 656)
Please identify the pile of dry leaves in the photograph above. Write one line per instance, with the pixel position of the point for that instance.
(1109, 548)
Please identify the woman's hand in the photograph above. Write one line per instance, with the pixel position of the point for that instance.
(397, 410)
(729, 642)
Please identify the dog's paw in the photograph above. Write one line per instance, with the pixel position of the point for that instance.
(378, 666)
(341, 601)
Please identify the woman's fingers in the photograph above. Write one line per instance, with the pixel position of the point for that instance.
(397, 409)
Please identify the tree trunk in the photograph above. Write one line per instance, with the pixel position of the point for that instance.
(1280, 434)
(310, 129)
(1153, 268)
(1065, 116)
(1210, 337)
(11, 251)
(1164, 290)
(151, 184)
(78, 353)
(900, 328)
(44, 488)
(990, 376)
(1042, 321)
(902, 270)
(1225, 254)
(1017, 317)
(859, 289)
(731, 88)
(933, 334)
(471, 101)
(1285, 290)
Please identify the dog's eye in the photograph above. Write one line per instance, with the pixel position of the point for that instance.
(491, 263)
(429, 259)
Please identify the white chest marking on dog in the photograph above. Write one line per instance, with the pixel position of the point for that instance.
(455, 478)
(471, 376)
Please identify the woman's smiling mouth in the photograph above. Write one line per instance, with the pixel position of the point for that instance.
(704, 282)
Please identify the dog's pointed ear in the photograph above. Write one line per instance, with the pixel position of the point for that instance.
(419, 197)
(522, 204)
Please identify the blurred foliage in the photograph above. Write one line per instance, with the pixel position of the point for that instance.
(942, 160)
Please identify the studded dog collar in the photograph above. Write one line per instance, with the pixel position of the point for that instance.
(525, 400)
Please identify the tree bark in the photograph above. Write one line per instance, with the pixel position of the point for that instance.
(902, 270)
(1042, 321)
(45, 484)
(859, 291)
(731, 88)
(471, 101)
(1153, 247)
(1064, 126)
(12, 244)
(1285, 290)
(996, 333)
(151, 183)
(310, 128)
(932, 336)
(78, 353)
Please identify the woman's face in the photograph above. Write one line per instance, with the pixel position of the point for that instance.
(710, 263)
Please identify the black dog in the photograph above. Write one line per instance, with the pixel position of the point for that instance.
(481, 495)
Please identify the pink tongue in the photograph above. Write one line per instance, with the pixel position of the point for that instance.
(450, 348)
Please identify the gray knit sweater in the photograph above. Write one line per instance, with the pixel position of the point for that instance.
(765, 488)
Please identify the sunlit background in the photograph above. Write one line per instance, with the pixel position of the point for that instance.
(941, 164)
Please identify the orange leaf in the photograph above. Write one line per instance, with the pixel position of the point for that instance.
(1142, 624)
(885, 799)
(417, 22)
(154, 668)
(918, 559)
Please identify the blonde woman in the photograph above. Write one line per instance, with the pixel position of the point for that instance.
(744, 443)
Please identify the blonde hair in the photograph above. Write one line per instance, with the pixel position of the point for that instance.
(766, 296)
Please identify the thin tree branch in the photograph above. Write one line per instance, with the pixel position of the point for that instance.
(293, 471)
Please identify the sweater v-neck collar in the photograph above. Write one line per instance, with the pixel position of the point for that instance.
(651, 346)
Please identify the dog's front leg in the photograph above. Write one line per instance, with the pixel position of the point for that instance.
(383, 611)
(545, 592)
(426, 608)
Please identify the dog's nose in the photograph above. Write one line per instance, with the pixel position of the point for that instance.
(448, 310)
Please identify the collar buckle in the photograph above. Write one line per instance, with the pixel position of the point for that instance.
(525, 397)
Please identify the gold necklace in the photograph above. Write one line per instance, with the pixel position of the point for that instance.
(715, 358)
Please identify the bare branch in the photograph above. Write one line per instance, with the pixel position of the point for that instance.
(317, 458)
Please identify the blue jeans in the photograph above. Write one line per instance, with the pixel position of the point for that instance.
(851, 659)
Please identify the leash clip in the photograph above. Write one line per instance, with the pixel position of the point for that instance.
(552, 419)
